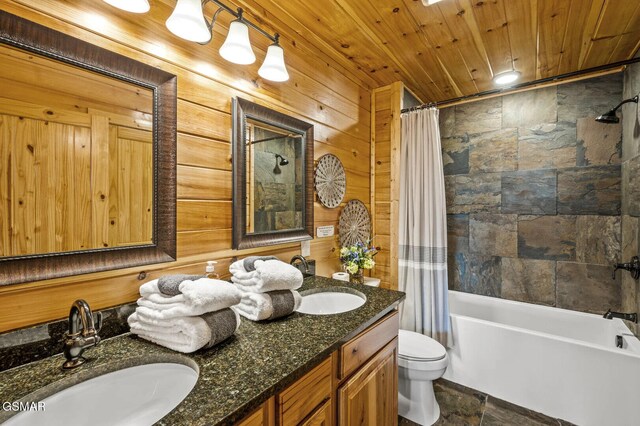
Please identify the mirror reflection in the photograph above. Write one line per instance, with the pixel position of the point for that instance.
(275, 178)
(76, 158)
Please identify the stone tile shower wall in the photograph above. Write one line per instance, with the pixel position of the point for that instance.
(534, 195)
(630, 186)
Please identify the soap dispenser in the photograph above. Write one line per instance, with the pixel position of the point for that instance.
(210, 270)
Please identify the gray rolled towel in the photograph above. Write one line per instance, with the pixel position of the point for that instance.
(223, 324)
(249, 262)
(283, 303)
(170, 284)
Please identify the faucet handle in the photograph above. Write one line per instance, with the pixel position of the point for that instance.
(97, 322)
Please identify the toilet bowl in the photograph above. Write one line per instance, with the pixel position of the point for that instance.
(420, 361)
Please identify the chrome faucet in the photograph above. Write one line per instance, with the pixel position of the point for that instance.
(301, 259)
(633, 317)
(82, 334)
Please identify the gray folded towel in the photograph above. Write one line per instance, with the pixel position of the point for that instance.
(223, 324)
(170, 284)
(283, 303)
(268, 306)
(248, 262)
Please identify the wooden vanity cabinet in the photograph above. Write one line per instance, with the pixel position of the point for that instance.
(356, 385)
(370, 396)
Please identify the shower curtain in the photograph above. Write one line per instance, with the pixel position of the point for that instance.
(422, 255)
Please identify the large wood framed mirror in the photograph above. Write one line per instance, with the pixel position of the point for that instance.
(87, 157)
(272, 177)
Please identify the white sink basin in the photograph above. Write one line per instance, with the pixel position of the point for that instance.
(329, 301)
(139, 395)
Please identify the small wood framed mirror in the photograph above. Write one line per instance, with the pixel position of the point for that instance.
(272, 177)
(87, 157)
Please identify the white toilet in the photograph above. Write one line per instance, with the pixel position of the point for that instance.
(420, 361)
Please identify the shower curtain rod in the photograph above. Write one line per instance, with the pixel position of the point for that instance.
(507, 90)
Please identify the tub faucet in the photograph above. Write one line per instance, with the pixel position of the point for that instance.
(633, 317)
(301, 258)
(82, 334)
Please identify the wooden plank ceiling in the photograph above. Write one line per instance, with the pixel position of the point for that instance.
(455, 47)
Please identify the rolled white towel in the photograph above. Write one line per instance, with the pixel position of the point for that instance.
(185, 334)
(197, 297)
(268, 306)
(269, 275)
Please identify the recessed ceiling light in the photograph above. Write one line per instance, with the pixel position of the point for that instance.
(135, 6)
(506, 77)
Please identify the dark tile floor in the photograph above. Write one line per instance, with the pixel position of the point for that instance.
(461, 406)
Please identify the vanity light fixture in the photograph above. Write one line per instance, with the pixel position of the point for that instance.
(187, 21)
(135, 6)
(429, 2)
(237, 47)
(506, 77)
(273, 67)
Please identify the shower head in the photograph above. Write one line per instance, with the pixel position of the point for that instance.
(283, 161)
(610, 117)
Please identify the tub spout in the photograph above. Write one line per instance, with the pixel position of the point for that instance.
(633, 317)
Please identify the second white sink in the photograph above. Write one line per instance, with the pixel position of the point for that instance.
(138, 396)
(329, 301)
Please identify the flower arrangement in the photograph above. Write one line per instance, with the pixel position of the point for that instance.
(357, 257)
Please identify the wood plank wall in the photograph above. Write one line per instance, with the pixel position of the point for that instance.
(386, 103)
(321, 91)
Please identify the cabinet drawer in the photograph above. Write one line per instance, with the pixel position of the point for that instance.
(301, 398)
(362, 347)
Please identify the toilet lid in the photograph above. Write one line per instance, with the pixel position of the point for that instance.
(418, 347)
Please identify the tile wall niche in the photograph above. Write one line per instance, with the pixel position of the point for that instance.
(534, 195)
(630, 185)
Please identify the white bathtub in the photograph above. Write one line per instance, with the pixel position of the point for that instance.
(561, 363)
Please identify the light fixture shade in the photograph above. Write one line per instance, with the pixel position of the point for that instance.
(187, 21)
(237, 48)
(506, 77)
(273, 67)
(135, 6)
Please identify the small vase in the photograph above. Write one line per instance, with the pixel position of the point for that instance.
(357, 278)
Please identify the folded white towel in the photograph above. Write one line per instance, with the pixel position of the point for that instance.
(268, 306)
(197, 298)
(269, 275)
(185, 334)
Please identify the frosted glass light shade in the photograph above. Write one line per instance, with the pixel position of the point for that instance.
(506, 77)
(187, 21)
(237, 48)
(135, 6)
(273, 67)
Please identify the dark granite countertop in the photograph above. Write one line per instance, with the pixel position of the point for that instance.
(235, 377)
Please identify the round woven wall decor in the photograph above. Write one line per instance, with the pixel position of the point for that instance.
(330, 181)
(355, 224)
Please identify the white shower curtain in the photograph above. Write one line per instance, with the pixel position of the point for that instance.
(422, 255)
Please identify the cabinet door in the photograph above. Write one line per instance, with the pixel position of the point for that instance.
(321, 417)
(370, 397)
(263, 416)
